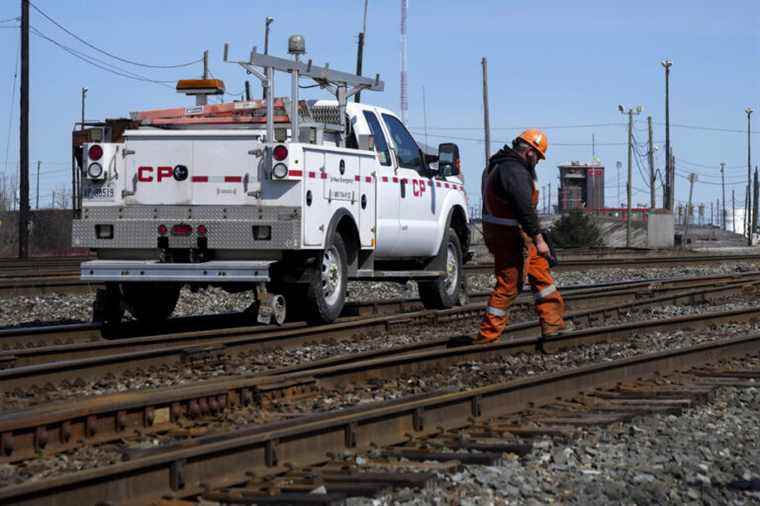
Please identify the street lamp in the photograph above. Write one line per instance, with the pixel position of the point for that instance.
(669, 196)
(266, 34)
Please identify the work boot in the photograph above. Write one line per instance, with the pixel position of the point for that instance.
(555, 330)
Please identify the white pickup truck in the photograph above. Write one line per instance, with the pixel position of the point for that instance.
(286, 197)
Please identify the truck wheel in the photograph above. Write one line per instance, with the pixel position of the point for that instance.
(108, 307)
(150, 302)
(326, 292)
(444, 292)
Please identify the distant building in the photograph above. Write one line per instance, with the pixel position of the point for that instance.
(581, 186)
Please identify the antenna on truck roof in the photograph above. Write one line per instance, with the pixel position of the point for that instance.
(341, 84)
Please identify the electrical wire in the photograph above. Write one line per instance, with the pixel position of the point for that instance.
(96, 62)
(8, 20)
(13, 103)
(102, 51)
(481, 140)
(554, 127)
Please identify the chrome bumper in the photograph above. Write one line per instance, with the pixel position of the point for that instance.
(151, 270)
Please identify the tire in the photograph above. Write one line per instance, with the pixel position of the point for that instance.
(108, 308)
(443, 293)
(326, 291)
(150, 303)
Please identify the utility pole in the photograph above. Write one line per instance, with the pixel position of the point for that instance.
(631, 111)
(733, 211)
(748, 110)
(669, 197)
(755, 195)
(618, 164)
(404, 99)
(360, 51)
(23, 215)
(692, 180)
(84, 99)
(652, 194)
(550, 198)
(723, 187)
(37, 204)
(247, 91)
(486, 119)
(203, 99)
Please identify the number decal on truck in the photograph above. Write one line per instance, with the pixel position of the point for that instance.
(104, 193)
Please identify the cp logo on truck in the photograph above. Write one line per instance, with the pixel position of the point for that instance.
(180, 172)
(145, 173)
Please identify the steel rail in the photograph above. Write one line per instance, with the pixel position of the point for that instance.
(58, 426)
(230, 459)
(26, 368)
(25, 336)
(69, 282)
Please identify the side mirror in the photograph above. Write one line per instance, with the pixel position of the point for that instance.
(449, 163)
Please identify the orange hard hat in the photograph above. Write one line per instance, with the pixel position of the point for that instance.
(537, 140)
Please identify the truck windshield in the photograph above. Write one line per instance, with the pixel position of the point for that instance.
(409, 154)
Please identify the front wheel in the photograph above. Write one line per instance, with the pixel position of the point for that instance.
(443, 293)
(326, 291)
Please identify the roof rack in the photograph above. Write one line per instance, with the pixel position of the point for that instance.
(341, 84)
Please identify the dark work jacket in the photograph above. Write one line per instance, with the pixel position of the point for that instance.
(508, 189)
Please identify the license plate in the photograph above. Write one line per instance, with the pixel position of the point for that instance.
(103, 193)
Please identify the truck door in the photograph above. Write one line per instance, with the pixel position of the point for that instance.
(388, 202)
(419, 209)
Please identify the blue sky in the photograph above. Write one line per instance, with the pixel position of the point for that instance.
(551, 64)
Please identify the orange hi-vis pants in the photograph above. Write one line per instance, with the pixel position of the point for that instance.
(509, 260)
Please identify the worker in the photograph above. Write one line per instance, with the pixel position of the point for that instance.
(513, 236)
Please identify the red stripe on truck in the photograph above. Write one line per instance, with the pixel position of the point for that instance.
(199, 179)
(233, 179)
(295, 173)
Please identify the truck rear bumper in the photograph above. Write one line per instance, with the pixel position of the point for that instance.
(253, 271)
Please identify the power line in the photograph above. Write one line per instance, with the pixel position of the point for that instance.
(96, 62)
(480, 139)
(13, 103)
(102, 51)
(8, 20)
(555, 127)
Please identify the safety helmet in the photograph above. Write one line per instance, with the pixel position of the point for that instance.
(536, 139)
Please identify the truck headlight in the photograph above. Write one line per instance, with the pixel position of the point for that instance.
(95, 171)
(279, 171)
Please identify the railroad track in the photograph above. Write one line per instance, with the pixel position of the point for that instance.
(88, 361)
(32, 336)
(54, 427)
(238, 465)
(36, 279)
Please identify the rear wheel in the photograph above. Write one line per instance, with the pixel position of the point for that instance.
(326, 291)
(150, 302)
(444, 292)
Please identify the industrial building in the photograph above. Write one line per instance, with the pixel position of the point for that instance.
(581, 186)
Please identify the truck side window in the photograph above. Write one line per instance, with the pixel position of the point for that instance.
(409, 154)
(381, 145)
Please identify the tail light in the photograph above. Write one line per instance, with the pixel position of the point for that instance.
(162, 230)
(95, 152)
(201, 230)
(280, 153)
(182, 230)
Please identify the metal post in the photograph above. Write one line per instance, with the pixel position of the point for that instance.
(652, 194)
(266, 51)
(733, 211)
(205, 64)
(630, 177)
(84, 99)
(748, 205)
(692, 180)
(723, 188)
(342, 92)
(269, 96)
(37, 200)
(669, 197)
(360, 52)
(550, 198)
(247, 91)
(23, 215)
(486, 119)
(755, 195)
(294, 133)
